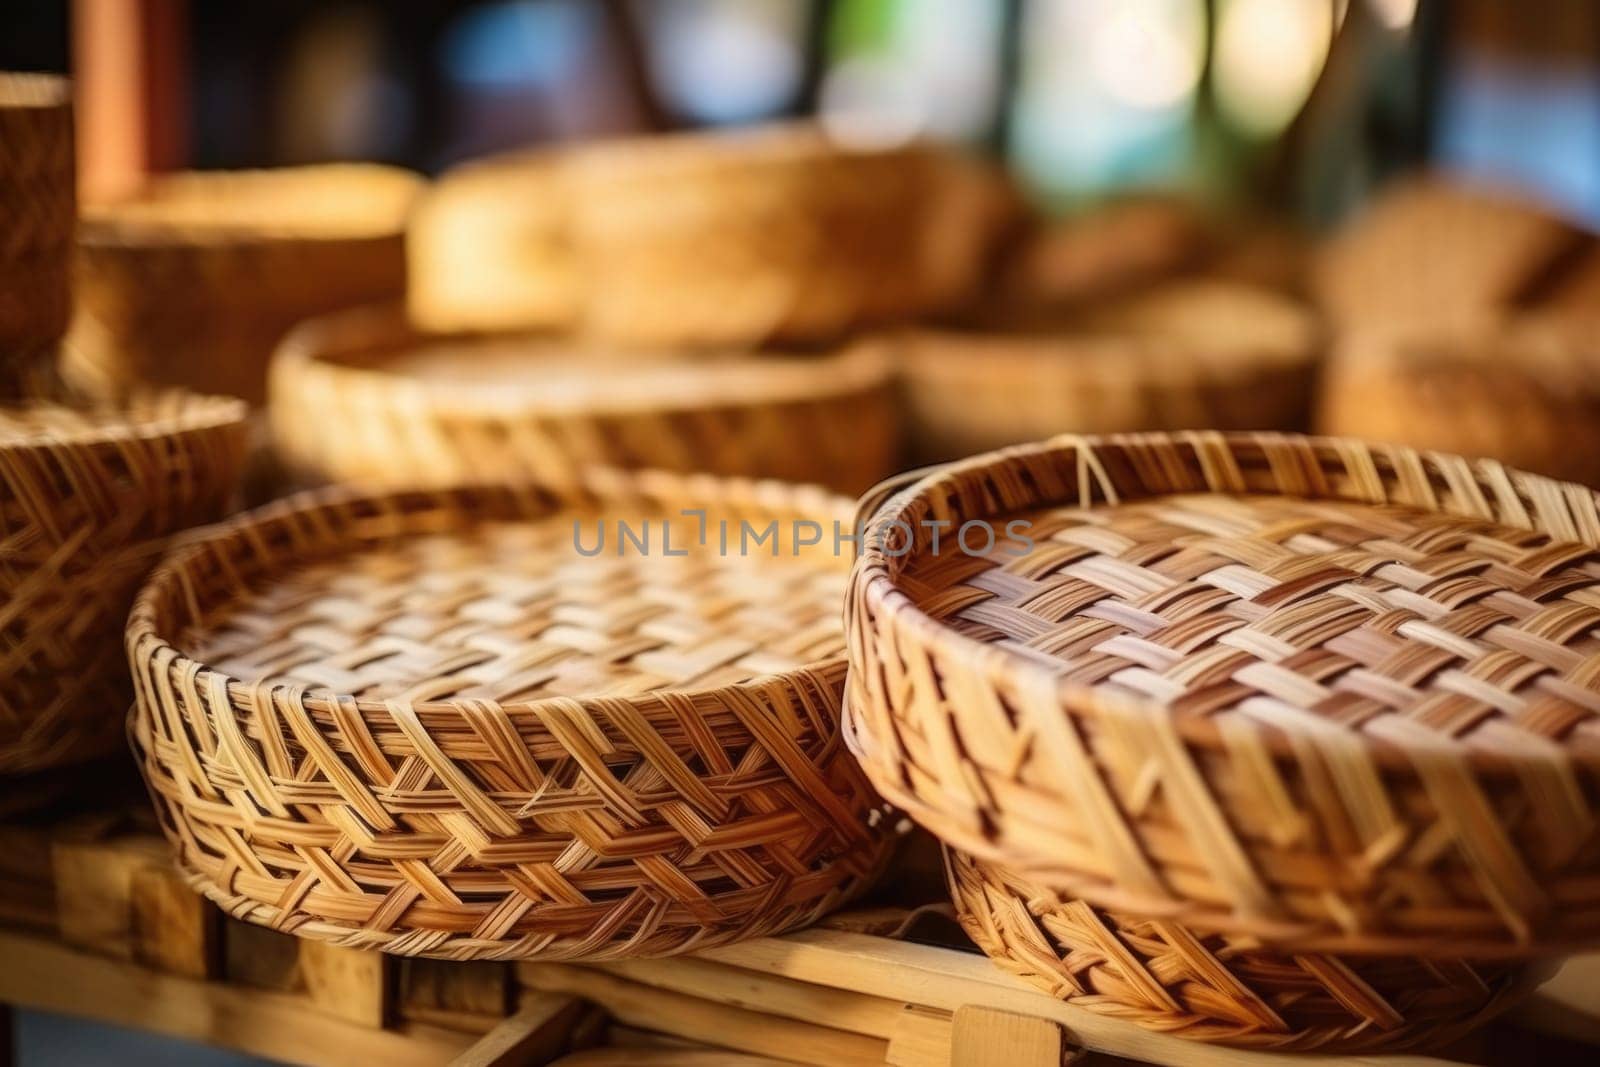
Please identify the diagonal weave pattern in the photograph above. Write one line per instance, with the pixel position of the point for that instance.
(38, 207)
(1344, 700)
(427, 723)
(87, 501)
(360, 397)
(1224, 988)
(196, 280)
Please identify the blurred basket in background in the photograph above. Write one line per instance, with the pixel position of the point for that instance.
(88, 498)
(489, 247)
(195, 280)
(37, 213)
(1316, 695)
(1525, 391)
(431, 723)
(1434, 250)
(361, 397)
(1187, 355)
(777, 234)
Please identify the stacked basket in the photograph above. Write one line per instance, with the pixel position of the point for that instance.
(694, 297)
(194, 280)
(88, 494)
(1264, 739)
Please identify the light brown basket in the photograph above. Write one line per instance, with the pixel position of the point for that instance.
(37, 209)
(1121, 246)
(361, 397)
(1186, 356)
(426, 723)
(195, 281)
(1224, 988)
(87, 500)
(1525, 392)
(1432, 250)
(1337, 697)
(777, 234)
(489, 248)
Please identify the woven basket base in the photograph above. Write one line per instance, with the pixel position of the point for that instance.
(1224, 989)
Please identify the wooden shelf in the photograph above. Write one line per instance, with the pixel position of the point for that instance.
(94, 923)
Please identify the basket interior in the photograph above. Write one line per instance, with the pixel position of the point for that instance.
(1301, 584)
(490, 596)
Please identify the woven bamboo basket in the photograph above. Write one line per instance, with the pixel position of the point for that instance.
(194, 281)
(428, 723)
(1185, 356)
(1525, 392)
(361, 397)
(37, 210)
(736, 238)
(1433, 251)
(1335, 697)
(1225, 988)
(488, 248)
(88, 498)
(1123, 245)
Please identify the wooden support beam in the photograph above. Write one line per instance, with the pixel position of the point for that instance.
(350, 983)
(921, 1038)
(536, 1034)
(685, 1016)
(739, 988)
(949, 979)
(43, 976)
(984, 1037)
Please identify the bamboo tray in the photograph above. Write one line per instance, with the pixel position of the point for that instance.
(1345, 714)
(195, 280)
(1524, 391)
(1185, 356)
(428, 723)
(489, 248)
(88, 497)
(37, 210)
(361, 397)
(773, 235)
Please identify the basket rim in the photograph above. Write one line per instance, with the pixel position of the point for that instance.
(146, 643)
(309, 357)
(873, 584)
(24, 90)
(125, 423)
(106, 227)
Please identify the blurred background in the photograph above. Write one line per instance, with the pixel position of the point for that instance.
(1299, 104)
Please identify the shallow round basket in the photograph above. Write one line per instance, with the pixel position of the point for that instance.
(489, 724)
(1185, 356)
(1224, 988)
(195, 280)
(1524, 391)
(361, 397)
(488, 248)
(1336, 697)
(773, 234)
(37, 211)
(88, 498)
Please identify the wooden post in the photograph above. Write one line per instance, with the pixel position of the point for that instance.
(130, 70)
